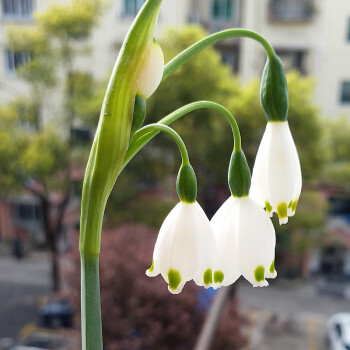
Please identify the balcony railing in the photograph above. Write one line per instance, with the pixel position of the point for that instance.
(291, 10)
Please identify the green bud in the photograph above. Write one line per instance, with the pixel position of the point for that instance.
(274, 90)
(186, 184)
(239, 175)
(139, 114)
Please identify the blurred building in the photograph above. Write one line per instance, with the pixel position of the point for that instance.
(312, 36)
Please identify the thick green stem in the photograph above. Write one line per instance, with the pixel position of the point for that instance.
(90, 304)
(185, 55)
(140, 140)
(160, 127)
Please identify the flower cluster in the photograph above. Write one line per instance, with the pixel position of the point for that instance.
(240, 239)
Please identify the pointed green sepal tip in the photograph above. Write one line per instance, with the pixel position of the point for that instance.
(239, 178)
(259, 273)
(272, 267)
(274, 90)
(218, 277)
(208, 277)
(174, 278)
(139, 114)
(186, 184)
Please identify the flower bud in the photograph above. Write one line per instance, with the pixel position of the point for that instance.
(274, 90)
(186, 184)
(152, 72)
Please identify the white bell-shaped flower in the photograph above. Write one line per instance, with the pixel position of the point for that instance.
(245, 240)
(152, 72)
(276, 179)
(185, 248)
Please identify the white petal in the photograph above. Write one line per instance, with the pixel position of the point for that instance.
(185, 246)
(277, 176)
(283, 166)
(152, 72)
(206, 246)
(223, 223)
(258, 188)
(256, 241)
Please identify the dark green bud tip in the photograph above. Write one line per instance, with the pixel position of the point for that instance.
(186, 184)
(239, 175)
(274, 90)
(139, 114)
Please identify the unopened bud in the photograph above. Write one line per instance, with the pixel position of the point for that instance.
(152, 72)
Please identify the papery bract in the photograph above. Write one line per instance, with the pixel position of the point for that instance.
(185, 248)
(277, 180)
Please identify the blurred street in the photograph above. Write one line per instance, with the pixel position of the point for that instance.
(23, 284)
(288, 315)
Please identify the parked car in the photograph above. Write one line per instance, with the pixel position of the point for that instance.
(338, 332)
(56, 314)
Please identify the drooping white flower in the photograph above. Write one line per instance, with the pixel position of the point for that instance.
(152, 72)
(277, 180)
(245, 240)
(185, 248)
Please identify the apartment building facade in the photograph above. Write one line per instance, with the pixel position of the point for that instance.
(312, 36)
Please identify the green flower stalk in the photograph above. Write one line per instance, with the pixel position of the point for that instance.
(138, 58)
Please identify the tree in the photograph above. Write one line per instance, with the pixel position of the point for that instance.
(41, 153)
(336, 151)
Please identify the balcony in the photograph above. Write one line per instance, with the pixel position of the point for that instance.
(291, 10)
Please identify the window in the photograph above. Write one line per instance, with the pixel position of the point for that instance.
(348, 33)
(80, 135)
(229, 55)
(132, 7)
(222, 10)
(291, 10)
(345, 94)
(15, 59)
(29, 212)
(19, 9)
(293, 59)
